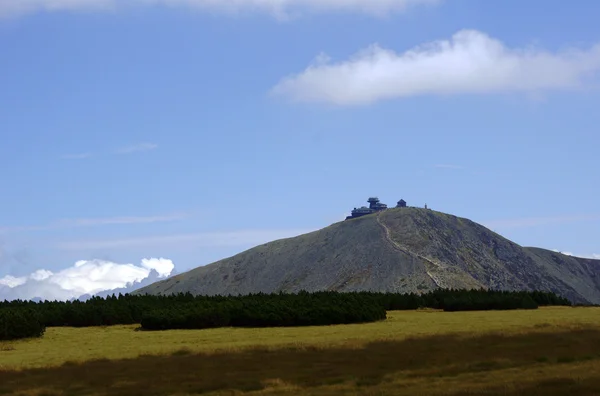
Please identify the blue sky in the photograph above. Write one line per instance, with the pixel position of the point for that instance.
(192, 130)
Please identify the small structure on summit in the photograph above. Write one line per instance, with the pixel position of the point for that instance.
(374, 206)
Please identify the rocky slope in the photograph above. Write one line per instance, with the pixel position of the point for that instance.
(398, 250)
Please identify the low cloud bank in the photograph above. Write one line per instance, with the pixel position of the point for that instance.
(85, 278)
(470, 62)
(593, 256)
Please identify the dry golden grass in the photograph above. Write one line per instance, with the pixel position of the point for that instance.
(550, 351)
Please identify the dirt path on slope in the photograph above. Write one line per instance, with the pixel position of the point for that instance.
(430, 266)
(442, 275)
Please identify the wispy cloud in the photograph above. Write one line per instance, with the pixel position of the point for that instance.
(471, 62)
(99, 221)
(86, 222)
(448, 166)
(280, 9)
(77, 156)
(207, 239)
(136, 148)
(539, 221)
(121, 150)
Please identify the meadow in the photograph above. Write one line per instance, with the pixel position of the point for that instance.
(548, 351)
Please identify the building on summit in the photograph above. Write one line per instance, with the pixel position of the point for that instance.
(374, 206)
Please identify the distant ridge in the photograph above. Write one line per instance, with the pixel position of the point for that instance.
(397, 250)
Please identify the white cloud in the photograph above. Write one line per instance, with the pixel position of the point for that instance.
(162, 266)
(41, 275)
(136, 148)
(206, 239)
(84, 277)
(11, 281)
(281, 9)
(470, 62)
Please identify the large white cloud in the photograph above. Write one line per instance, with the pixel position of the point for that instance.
(11, 281)
(278, 8)
(85, 277)
(471, 62)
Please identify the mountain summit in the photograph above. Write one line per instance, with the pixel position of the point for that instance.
(403, 249)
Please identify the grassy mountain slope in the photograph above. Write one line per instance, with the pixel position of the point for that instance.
(399, 250)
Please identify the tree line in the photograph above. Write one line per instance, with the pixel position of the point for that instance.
(24, 319)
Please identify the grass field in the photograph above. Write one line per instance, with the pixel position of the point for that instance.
(550, 351)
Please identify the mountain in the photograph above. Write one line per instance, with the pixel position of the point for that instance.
(395, 250)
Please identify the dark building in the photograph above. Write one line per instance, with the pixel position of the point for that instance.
(358, 212)
(374, 206)
(401, 204)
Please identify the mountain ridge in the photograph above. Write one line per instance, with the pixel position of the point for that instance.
(396, 250)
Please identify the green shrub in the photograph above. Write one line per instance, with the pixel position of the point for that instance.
(18, 323)
(267, 311)
(27, 319)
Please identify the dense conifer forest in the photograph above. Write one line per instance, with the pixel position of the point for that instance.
(25, 319)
